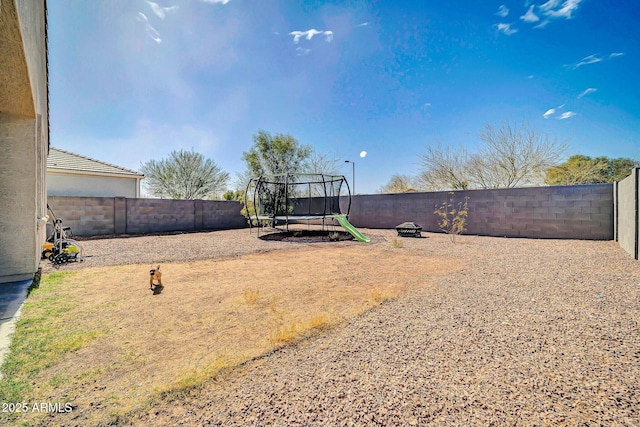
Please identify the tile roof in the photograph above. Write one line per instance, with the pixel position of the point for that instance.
(60, 160)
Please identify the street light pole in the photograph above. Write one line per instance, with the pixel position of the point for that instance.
(353, 175)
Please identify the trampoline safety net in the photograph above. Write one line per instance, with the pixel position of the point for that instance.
(296, 197)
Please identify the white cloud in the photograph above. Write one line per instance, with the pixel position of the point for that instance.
(542, 24)
(503, 11)
(155, 35)
(160, 11)
(553, 8)
(551, 4)
(552, 111)
(151, 32)
(364, 24)
(506, 28)
(156, 9)
(566, 115)
(296, 35)
(328, 36)
(300, 51)
(427, 104)
(530, 16)
(309, 35)
(593, 59)
(142, 17)
(216, 1)
(587, 92)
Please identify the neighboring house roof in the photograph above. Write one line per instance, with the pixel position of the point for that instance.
(64, 161)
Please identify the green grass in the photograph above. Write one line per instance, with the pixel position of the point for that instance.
(41, 339)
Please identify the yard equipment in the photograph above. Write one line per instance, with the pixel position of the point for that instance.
(59, 247)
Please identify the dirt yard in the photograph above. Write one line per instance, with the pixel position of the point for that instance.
(487, 331)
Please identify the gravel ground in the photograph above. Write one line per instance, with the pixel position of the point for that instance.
(158, 249)
(529, 333)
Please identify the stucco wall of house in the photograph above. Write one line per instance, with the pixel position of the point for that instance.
(31, 15)
(23, 137)
(63, 184)
(17, 220)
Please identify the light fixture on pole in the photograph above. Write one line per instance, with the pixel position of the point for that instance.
(353, 175)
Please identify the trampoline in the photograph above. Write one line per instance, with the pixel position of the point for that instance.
(294, 198)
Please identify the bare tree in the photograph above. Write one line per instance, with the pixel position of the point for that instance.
(444, 168)
(513, 155)
(399, 184)
(328, 164)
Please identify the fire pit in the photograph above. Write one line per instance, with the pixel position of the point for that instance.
(409, 229)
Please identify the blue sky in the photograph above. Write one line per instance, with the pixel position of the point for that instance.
(132, 80)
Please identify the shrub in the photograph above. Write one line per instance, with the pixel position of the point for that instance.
(453, 216)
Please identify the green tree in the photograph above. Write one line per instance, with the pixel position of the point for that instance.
(580, 169)
(275, 155)
(184, 175)
(236, 196)
(618, 169)
(271, 157)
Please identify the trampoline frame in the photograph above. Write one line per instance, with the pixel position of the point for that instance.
(293, 179)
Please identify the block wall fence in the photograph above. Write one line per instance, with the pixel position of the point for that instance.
(94, 216)
(626, 217)
(592, 212)
(566, 212)
(571, 212)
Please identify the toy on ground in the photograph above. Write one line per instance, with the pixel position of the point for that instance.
(59, 247)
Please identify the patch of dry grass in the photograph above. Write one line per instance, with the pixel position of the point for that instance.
(251, 295)
(396, 243)
(210, 317)
(377, 296)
